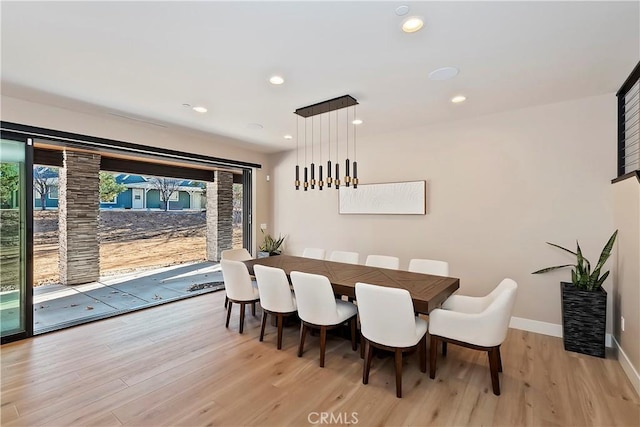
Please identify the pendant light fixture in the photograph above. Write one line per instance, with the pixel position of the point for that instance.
(321, 109)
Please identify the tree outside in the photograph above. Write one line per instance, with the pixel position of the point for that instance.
(44, 177)
(9, 180)
(166, 187)
(237, 205)
(109, 188)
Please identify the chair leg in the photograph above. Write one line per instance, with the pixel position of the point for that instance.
(253, 308)
(444, 348)
(499, 360)
(433, 356)
(493, 367)
(423, 353)
(228, 314)
(367, 362)
(279, 316)
(264, 323)
(361, 345)
(323, 344)
(303, 334)
(242, 307)
(226, 301)
(398, 372)
(354, 346)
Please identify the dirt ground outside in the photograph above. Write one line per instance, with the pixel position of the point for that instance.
(129, 241)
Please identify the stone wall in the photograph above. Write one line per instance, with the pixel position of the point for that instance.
(219, 215)
(78, 209)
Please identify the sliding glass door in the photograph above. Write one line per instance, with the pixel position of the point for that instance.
(15, 239)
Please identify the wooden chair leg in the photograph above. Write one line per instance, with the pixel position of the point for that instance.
(323, 344)
(361, 345)
(423, 353)
(279, 315)
(242, 308)
(444, 348)
(354, 346)
(493, 367)
(303, 334)
(398, 372)
(264, 323)
(433, 356)
(499, 359)
(226, 301)
(228, 313)
(253, 308)
(367, 362)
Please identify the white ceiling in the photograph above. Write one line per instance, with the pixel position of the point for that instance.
(145, 59)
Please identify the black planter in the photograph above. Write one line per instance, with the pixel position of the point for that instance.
(584, 319)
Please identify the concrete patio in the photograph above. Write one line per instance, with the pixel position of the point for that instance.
(56, 306)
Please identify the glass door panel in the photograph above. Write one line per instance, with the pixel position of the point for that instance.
(15, 305)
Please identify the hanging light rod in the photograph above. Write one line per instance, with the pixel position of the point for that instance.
(326, 106)
(320, 109)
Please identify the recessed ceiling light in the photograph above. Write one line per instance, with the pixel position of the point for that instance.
(276, 80)
(458, 99)
(412, 24)
(444, 73)
(254, 126)
(288, 137)
(402, 10)
(357, 122)
(199, 109)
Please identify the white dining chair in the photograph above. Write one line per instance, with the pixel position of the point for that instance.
(239, 289)
(345, 257)
(429, 266)
(319, 309)
(383, 261)
(388, 322)
(276, 297)
(315, 253)
(240, 254)
(479, 323)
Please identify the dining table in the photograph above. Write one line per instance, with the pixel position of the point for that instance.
(427, 291)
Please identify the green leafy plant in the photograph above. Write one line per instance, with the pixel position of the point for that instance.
(581, 275)
(272, 245)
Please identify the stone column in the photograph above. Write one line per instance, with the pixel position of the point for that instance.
(78, 209)
(219, 214)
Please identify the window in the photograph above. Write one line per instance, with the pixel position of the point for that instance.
(174, 197)
(112, 201)
(53, 192)
(629, 124)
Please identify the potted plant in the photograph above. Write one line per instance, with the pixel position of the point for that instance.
(270, 246)
(584, 302)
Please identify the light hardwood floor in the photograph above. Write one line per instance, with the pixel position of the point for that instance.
(177, 365)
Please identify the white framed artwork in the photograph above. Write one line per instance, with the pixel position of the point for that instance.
(392, 198)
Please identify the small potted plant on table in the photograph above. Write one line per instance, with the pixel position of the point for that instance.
(584, 302)
(270, 246)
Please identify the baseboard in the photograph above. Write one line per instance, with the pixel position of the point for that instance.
(627, 367)
(545, 328)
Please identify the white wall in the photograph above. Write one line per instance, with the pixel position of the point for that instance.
(626, 195)
(499, 186)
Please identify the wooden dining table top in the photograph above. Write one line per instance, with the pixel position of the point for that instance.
(427, 291)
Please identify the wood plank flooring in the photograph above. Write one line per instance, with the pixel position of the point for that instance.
(177, 365)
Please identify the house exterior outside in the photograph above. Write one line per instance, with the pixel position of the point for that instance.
(140, 194)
